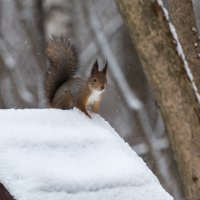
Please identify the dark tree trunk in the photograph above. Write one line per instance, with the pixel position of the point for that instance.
(4, 194)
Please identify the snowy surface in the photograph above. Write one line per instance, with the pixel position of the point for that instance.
(59, 155)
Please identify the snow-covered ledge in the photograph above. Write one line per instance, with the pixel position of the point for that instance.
(64, 155)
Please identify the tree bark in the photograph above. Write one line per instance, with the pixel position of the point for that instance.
(182, 15)
(173, 90)
(4, 194)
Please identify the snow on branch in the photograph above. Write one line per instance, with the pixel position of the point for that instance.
(180, 49)
(59, 155)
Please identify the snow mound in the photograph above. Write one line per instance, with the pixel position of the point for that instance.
(53, 154)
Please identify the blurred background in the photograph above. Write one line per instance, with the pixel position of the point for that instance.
(98, 31)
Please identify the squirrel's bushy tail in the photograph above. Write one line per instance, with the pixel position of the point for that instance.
(63, 64)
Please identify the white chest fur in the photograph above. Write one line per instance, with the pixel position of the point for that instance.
(94, 96)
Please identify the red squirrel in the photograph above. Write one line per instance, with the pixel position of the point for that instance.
(64, 90)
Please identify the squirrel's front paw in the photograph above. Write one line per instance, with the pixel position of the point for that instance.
(86, 112)
(88, 115)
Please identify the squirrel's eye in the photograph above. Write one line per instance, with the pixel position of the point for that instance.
(95, 80)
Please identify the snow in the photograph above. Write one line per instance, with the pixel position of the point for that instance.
(160, 3)
(57, 155)
(180, 49)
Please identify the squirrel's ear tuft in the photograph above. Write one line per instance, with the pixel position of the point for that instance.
(95, 68)
(105, 68)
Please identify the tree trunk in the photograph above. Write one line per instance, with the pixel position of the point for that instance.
(172, 88)
(182, 14)
(4, 194)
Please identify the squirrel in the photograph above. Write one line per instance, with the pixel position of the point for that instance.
(63, 89)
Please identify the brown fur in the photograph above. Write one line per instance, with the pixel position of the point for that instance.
(65, 91)
(63, 65)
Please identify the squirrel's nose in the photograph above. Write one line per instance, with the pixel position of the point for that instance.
(102, 87)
